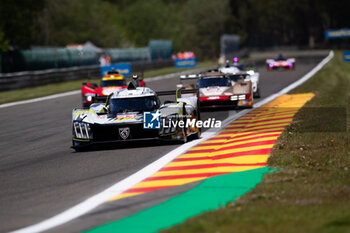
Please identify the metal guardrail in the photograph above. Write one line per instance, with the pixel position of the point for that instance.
(19, 80)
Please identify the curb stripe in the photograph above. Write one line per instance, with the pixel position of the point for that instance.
(242, 145)
(147, 189)
(270, 114)
(206, 170)
(198, 175)
(237, 142)
(261, 121)
(244, 126)
(239, 136)
(211, 165)
(223, 156)
(268, 129)
(231, 160)
(227, 152)
(227, 147)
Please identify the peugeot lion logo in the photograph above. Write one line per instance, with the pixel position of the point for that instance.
(124, 132)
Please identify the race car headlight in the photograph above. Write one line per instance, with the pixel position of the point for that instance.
(89, 97)
(234, 97)
(241, 97)
(82, 130)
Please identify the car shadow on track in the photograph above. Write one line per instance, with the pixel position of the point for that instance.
(130, 144)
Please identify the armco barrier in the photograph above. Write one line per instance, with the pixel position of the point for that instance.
(19, 80)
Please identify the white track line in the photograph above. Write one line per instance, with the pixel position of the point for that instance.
(116, 189)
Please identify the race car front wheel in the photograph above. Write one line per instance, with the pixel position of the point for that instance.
(79, 146)
(257, 93)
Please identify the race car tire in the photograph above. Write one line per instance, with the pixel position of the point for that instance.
(257, 93)
(77, 146)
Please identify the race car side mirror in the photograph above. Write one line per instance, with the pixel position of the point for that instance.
(178, 86)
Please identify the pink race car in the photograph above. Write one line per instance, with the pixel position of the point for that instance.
(280, 62)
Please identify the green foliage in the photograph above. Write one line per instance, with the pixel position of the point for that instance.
(145, 20)
(4, 43)
(17, 21)
(73, 21)
(203, 23)
(191, 24)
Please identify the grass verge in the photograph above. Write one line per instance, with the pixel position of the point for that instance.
(55, 88)
(312, 191)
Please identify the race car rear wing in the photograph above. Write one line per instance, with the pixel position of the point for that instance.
(190, 76)
(180, 92)
(189, 81)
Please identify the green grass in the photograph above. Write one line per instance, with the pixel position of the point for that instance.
(312, 191)
(55, 88)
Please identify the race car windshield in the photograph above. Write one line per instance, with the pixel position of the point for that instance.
(280, 58)
(133, 104)
(237, 77)
(213, 82)
(112, 83)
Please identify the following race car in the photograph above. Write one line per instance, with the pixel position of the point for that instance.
(135, 113)
(233, 70)
(280, 62)
(216, 90)
(112, 82)
(249, 75)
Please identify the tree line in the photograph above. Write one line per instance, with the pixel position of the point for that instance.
(195, 25)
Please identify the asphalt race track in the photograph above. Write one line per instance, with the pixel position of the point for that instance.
(41, 176)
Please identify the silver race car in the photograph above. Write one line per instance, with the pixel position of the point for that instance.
(216, 89)
(136, 113)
